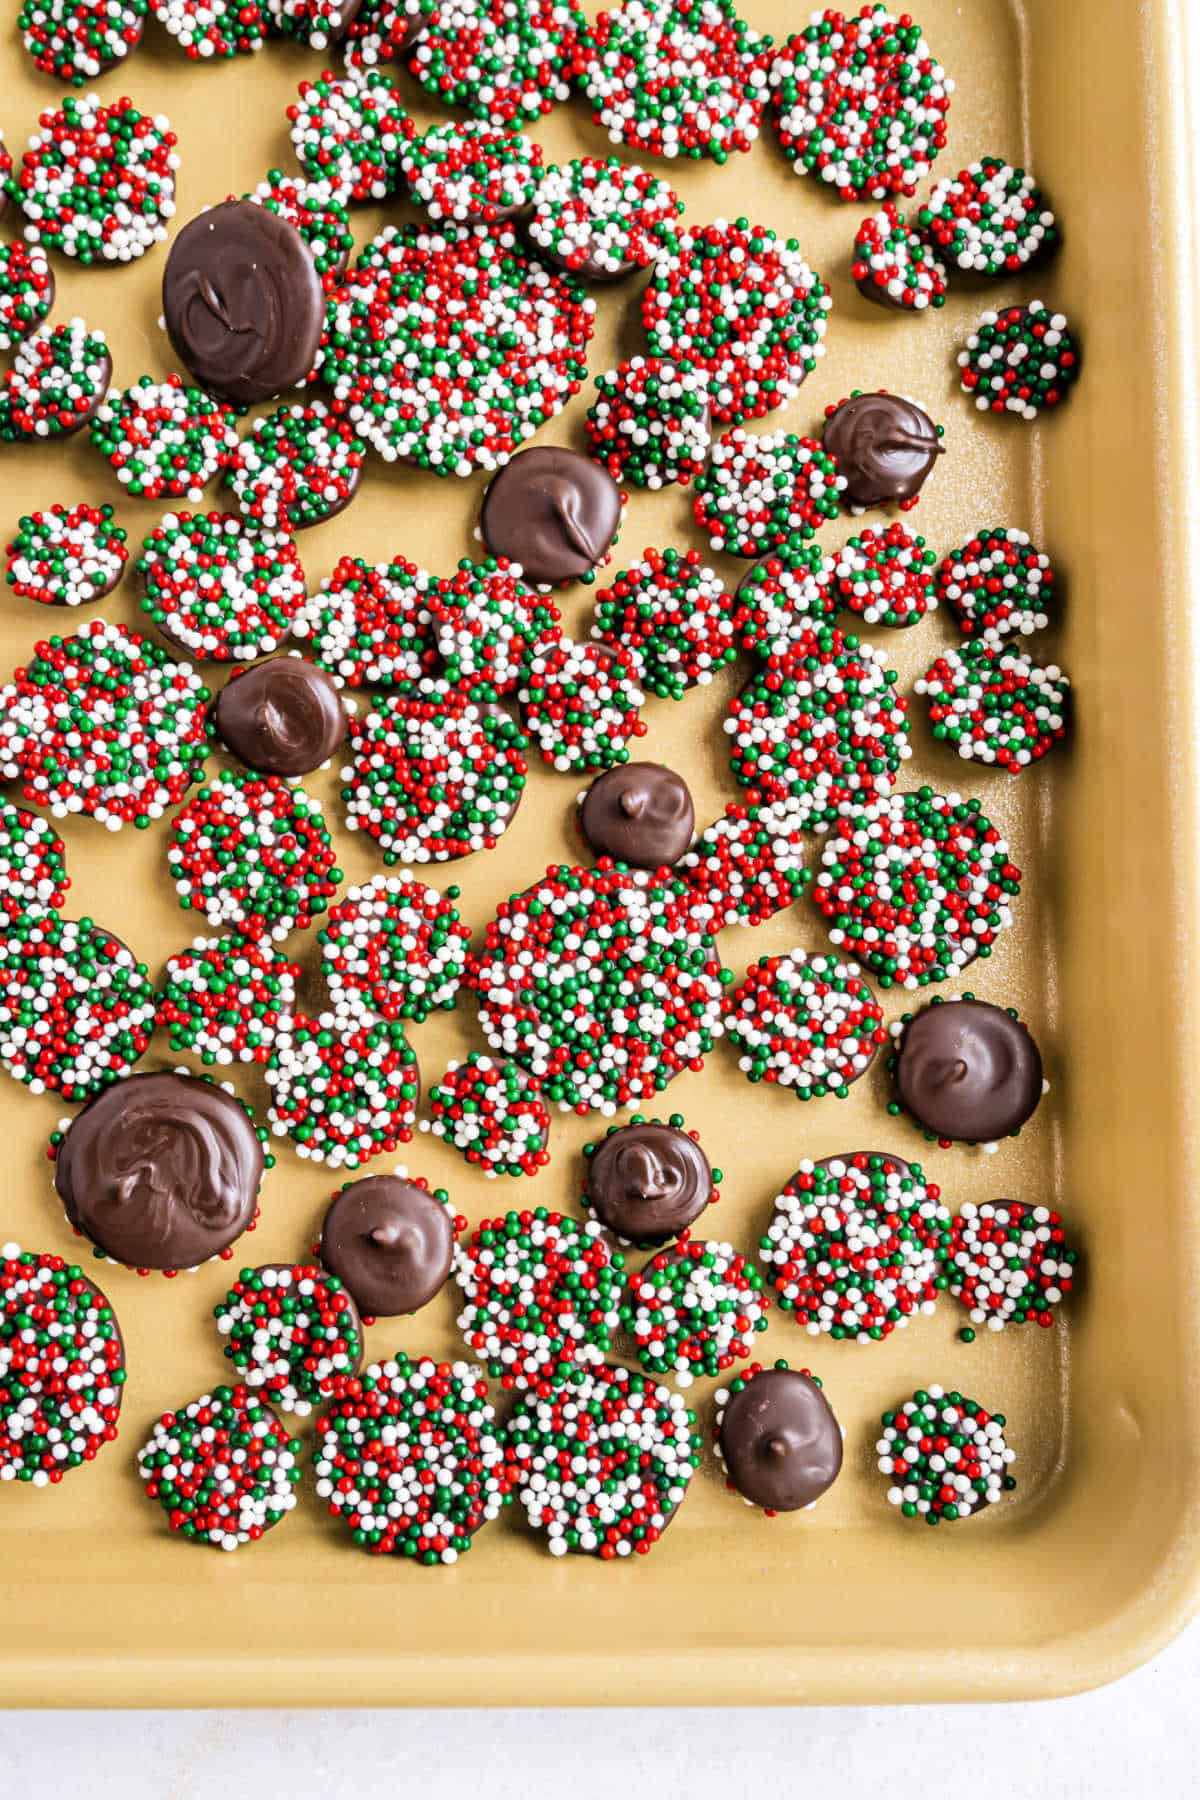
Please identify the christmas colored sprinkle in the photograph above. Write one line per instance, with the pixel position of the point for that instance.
(603, 985)
(432, 774)
(999, 585)
(342, 1096)
(743, 304)
(884, 577)
(916, 886)
(601, 1461)
(580, 702)
(783, 600)
(450, 351)
(746, 867)
(602, 218)
(671, 613)
(218, 587)
(808, 1023)
(226, 999)
(76, 40)
(103, 723)
(370, 624)
(293, 1332)
(860, 102)
(393, 948)
(349, 130)
(760, 493)
(98, 180)
(649, 424)
(62, 1367)
(254, 852)
(26, 291)
(1021, 361)
(76, 1009)
(947, 1457)
(493, 1114)
(317, 23)
(66, 556)
(676, 77)
(996, 705)
(677, 1123)
(214, 30)
(694, 1310)
(223, 1469)
(892, 259)
(318, 211)
(989, 219)
(298, 466)
(33, 869)
(412, 1459)
(855, 1246)
(59, 378)
(488, 625)
(540, 1294)
(820, 727)
(507, 61)
(383, 30)
(1009, 1264)
(468, 171)
(165, 441)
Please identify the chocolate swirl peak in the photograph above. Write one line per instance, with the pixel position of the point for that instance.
(553, 511)
(283, 716)
(885, 447)
(967, 1071)
(648, 1181)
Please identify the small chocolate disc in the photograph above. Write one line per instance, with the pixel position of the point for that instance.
(160, 1171)
(640, 814)
(780, 1440)
(648, 1182)
(553, 511)
(885, 447)
(283, 717)
(967, 1071)
(390, 1242)
(243, 303)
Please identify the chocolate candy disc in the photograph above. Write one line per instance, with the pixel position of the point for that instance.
(778, 1438)
(968, 1071)
(283, 717)
(885, 447)
(390, 1241)
(554, 512)
(640, 814)
(648, 1181)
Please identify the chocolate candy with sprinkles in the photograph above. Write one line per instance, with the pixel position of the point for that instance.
(883, 577)
(394, 948)
(164, 440)
(382, 30)
(33, 869)
(508, 61)
(650, 424)
(412, 1460)
(293, 1332)
(215, 30)
(349, 131)
(998, 586)
(225, 999)
(989, 219)
(218, 588)
(807, 1023)
(760, 493)
(649, 1180)
(253, 852)
(580, 703)
(694, 1310)
(66, 556)
(62, 1368)
(370, 624)
(672, 614)
(317, 23)
(777, 1438)
(390, 1239)
(317, 210)
(342, 1096)
(640, 814)
(471, 173)
(554, 513)
(1023, 361)
(966, 1071)
(946, 1456)
(487, 625)
(58, 381)
(493, 1114)
(98, 180)
(601, 1461)
(746, 867)
(783, 600)
(997, 706)
(26, 291)
(893, 265)
(885, 448)
(299, 466)
(1009, 1264)
(602, 219)
(282, 717)
(76, 40)
(223, 1469)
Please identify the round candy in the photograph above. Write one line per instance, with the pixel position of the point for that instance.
(884, 577)
(810, 1024)
(580, 702)
(487, 625)
(1020, 361)
(98, 180)
(694, 1310)
(778, 1438)
(820, 727)
(783, 600)
(601, 1461)
(947, 1458)
(989, 219)
(342, 1096)
(298, 467)
(394, 948)
(391, 1241)
(317, 23)
(293, 1331)
(384, 29)
(469, 172)
(164, 440)
(370, 625)
(76, 40)
(503, 60)
(160, 1171)
(861, 102)
(493, 1114)
(917, 886)
(58, 380)
(413, 1460)
(103, 723)
(33, 869)
(602, 220)
(6, 163)
(676, 77)
(62, 1367)
(67, 556)
(650, 423)
(649, 1180)
(26, 291)
(761, 493)
(218, 588)
(223, 1469)
(433, 775)
(282, 717)
(671, 613)
(214, 30)
(317, 210)
(745, 306)
(996, 705)
(885, 448)
(449, 351)
(226, 999)
(253, 852)
(350, 132)
(855, 1246)
(552, 512)
(641, 814)
(967, 1071)
(746, 867)
(999, 585)
(1009, 1264)
(894, 266)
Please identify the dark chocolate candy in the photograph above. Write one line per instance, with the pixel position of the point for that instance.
(389, 1242)
(885, 447)
(781, 1441)
(968, 1071)
(243, 303)
(283, 717)
(648, 1182)
(553, 511)
(640, 814)
(160, 1171)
